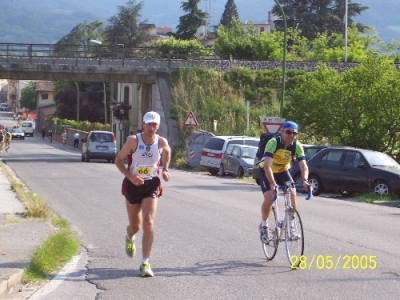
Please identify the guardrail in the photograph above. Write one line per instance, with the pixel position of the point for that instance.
(101, 51)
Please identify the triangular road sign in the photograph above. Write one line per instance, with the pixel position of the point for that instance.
(190, 120)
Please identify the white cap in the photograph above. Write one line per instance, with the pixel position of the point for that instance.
(151, 117)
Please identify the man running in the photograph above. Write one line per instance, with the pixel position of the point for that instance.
(142, 186)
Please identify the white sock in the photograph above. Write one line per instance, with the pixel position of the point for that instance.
(145, 260)
(264, 223)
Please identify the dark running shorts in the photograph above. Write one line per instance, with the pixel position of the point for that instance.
(280, 179)
(135, 194)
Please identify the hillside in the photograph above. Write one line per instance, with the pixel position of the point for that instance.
(46, 21)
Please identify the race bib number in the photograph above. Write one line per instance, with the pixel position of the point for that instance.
(144, 171)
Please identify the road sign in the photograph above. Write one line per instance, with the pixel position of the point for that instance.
(190, 120)
(272, 124)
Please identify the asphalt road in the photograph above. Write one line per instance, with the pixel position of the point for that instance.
(206, 243)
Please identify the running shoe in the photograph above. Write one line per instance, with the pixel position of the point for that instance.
(145, 270)
(263, 233)
(130, 247)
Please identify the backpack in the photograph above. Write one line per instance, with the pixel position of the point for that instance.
(265, 137)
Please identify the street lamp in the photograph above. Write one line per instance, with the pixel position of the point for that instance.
(346, 8)
(77, 102)
(284, 55)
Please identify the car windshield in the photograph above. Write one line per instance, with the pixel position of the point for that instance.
(249, 152)
(17, 130)
(378, 159)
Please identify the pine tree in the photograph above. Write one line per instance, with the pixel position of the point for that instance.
(189, 23)
(229, 14)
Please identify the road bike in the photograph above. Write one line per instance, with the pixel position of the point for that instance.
(289, 230)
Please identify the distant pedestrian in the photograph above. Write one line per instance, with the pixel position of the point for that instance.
(76, 140)
(64, 138)
(50, 135)
(43, 132)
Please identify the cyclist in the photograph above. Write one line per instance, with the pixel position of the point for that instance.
(2, 137)
(275, 170)
(7, 140)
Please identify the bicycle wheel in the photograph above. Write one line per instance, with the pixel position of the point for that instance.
(271, 247)
(294, 239)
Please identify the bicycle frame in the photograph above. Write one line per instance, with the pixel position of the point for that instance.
(290, 229)
(286, 188)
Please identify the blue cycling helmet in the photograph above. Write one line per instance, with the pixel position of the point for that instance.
(290, 124)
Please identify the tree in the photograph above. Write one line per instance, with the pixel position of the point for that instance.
(126, 28)
(317, 16)
(189, 23)
(229, 13)
(28, 96)
(80, 36)
(359, 107)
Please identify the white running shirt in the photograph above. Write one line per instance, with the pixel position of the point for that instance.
(146, 158)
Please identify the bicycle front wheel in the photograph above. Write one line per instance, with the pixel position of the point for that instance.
(294, 239)
(271, 247)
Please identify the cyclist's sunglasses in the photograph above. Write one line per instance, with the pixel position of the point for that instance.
(289, 132)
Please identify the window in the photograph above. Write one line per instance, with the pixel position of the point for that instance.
(332, 157)
(262, 29)
(45, 96)
(126, 94)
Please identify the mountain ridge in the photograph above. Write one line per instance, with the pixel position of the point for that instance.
(46, 21)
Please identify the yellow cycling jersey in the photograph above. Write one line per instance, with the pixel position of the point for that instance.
(281, 157)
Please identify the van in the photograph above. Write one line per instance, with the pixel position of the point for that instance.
(99, 144)
(27, 127)
(4, 107)
(214, 148)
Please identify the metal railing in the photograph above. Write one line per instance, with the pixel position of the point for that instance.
(102, 51)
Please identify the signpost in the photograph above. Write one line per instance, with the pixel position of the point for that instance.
(272, 124)
(190, 120)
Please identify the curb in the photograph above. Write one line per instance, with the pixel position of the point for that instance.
(7, 284)
(391, 203)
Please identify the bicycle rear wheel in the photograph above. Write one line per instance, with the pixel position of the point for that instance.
(271, 247)
(294, 240)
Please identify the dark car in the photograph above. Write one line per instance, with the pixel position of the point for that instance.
(309, 151)
(348, 170)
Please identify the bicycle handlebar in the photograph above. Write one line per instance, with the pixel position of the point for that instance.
(292, 185)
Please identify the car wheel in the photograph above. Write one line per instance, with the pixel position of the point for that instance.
(316, 184)
(113, 161)
(87, 158)
(297, 180)
(381, 188)
(23, 138)
(240, 172)
(221, 171)
(83, 158)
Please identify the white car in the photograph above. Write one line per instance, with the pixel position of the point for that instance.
(17, 133)
(4, 107)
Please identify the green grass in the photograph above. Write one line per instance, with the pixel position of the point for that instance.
(371, 197)
(58, 248)
(53, 254)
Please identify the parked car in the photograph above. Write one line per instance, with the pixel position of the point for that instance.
(238, 160)
(27, 127)
(4, 107)
(348, 170)
(309, 151)
(99, 145)
(214, 148)
(17, 133)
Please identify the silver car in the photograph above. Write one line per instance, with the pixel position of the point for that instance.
(99, 145)
(238, 160)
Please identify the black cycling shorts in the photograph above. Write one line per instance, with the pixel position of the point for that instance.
(280, 179)
(135, 194)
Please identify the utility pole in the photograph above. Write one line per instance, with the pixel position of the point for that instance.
(346, 8)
